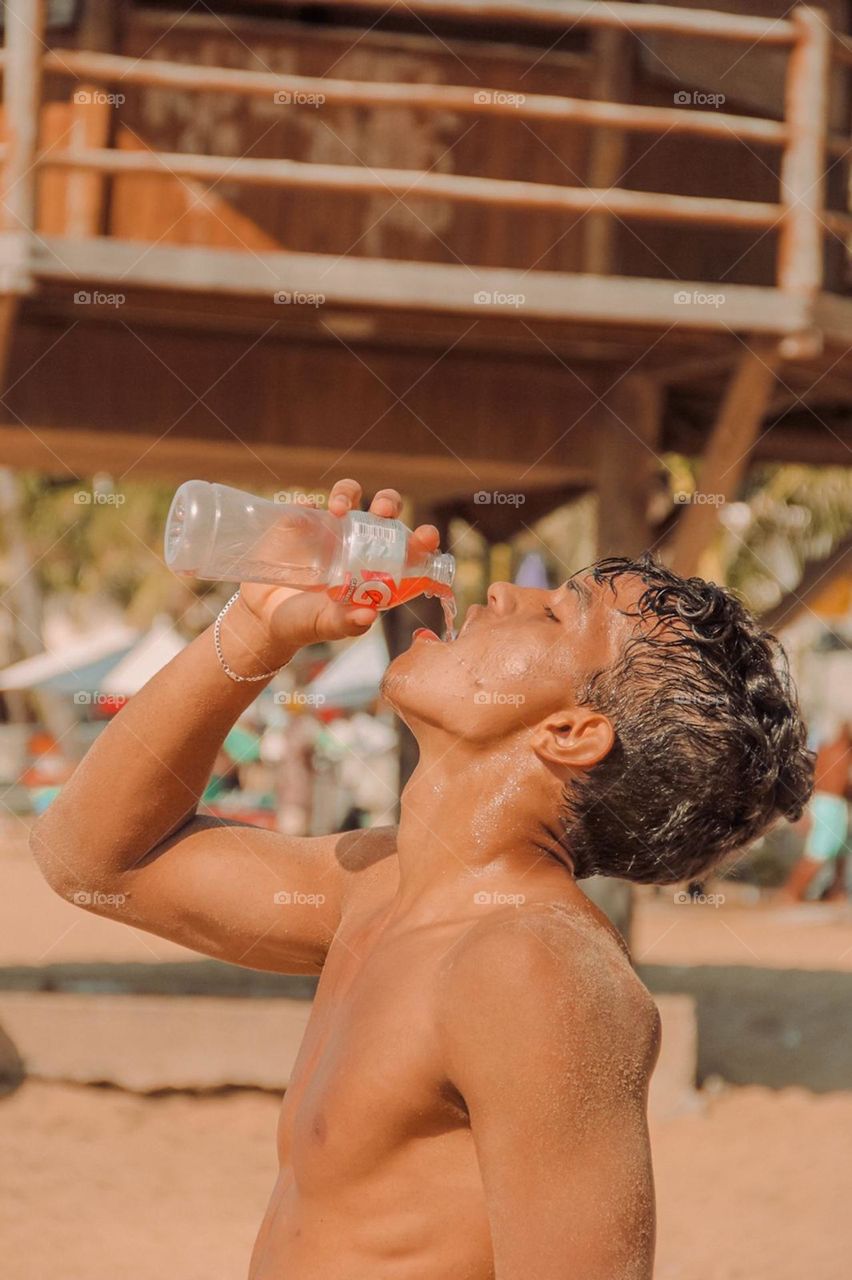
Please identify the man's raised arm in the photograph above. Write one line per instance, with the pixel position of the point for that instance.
(123, 838)
(550, 1040)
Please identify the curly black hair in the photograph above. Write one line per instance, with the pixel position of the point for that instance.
(710, 747)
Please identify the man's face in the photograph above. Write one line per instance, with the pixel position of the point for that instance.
(518, 659)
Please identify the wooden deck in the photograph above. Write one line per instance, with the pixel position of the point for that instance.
(450, 283)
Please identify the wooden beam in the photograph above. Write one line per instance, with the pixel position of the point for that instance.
(321, 92)
(8, 315)
(628, 431)
(692, 369)
(381, 284)
(800, 438)
(421, 185)
(726, 459)
(818, 575)
(613, 53)
(565, 15)
(65, 452)
(25, 21)
(801, 250)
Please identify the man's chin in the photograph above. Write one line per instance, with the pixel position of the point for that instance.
(404, 680)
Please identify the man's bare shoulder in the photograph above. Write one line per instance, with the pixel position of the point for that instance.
(555, 975)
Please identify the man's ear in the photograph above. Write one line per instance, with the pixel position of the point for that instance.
(577, 739)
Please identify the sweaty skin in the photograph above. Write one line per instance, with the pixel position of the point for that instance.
(469, 1099)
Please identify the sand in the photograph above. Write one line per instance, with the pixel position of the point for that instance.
(100, 1184)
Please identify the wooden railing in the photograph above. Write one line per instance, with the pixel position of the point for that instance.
(799, 215)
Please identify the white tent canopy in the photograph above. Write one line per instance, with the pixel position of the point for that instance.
(151, 653)
(76, 668)
(352, 679)
(116, 661)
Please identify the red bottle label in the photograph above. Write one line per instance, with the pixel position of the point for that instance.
(367, 588)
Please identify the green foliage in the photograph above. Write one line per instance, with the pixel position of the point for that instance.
(95, 536)
(795, 514)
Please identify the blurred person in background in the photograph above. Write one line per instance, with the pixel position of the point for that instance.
(826, 821)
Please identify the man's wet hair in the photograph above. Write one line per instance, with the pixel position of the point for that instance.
(710, 747)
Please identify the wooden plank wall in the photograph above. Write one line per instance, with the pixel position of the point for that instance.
(372, 226)
(174, 211)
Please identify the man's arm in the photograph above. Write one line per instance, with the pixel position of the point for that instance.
(550, 1041)
(123, 838)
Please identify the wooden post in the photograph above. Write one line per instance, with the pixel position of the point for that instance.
(727, 456)
(801, 265)
(21, 102)
(628, 433)
(629, 427)
(21, 108)
(91, 125)
(608, 147)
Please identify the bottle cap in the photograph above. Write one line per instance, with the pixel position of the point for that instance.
(442, 568)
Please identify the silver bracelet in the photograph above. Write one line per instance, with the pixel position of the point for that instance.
(217, 640)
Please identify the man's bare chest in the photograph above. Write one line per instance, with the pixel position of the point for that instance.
(369, 1077)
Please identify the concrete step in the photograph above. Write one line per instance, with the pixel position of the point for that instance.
(148, 1043)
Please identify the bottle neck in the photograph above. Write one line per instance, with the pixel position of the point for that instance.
(441, 569)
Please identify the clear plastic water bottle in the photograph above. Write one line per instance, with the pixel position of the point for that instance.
(219, 533)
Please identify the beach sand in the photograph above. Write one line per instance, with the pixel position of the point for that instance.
(101, 1183)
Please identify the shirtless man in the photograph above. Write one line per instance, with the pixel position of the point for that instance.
(469, 1100)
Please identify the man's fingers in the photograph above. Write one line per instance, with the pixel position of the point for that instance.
(425, 539)
(336, 621)
(387, 503)
(306, 617)
(345, 496)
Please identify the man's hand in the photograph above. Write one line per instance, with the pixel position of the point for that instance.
(289, 618)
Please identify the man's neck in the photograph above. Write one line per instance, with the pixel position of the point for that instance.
(471, 822)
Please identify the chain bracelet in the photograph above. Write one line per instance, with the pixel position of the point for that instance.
(217, 641)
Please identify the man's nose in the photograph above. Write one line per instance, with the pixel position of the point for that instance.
(503, 597)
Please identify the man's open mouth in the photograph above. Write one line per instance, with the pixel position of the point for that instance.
(475, 611)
